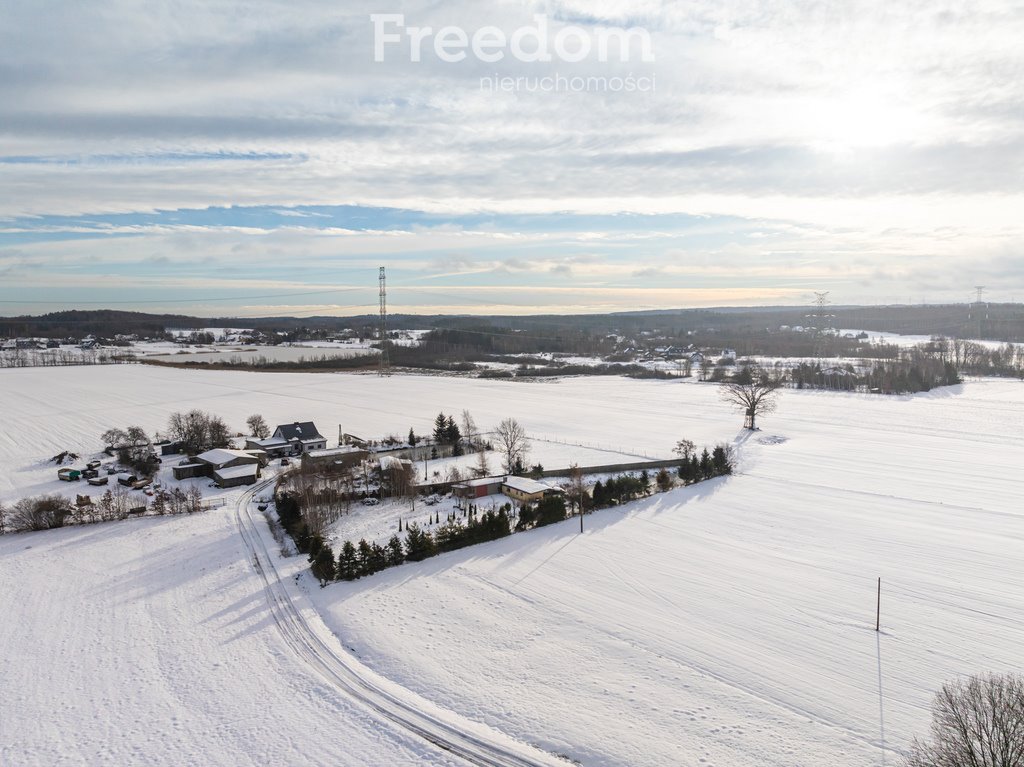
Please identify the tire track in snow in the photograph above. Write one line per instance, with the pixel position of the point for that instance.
(444, 730)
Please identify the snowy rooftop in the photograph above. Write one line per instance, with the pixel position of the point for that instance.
(481, 482)
(232, 472)
(524, 485)
(270, 442)
(221, 455)
(393, 462)
(327, 452)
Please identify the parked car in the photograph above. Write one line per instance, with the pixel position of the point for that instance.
(370, 501)
(432, 500)
(89, 473)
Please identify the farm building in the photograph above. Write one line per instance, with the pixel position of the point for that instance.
(352, 439)
(228, 468)
(168, 447)
(344, 457)
(274, 447)
(302, 436)
(526, 490)
(478, 488)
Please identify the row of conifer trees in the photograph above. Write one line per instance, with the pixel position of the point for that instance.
(356, 560)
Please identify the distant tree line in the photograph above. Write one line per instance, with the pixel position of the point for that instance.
(35, 358)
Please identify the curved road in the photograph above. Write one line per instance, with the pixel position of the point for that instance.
(473, 743)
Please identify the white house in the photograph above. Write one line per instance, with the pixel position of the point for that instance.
(303, 436)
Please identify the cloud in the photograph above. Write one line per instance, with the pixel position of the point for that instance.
(835, 137)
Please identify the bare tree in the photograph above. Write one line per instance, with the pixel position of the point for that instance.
(198, 431)
(483, 467)
(512, 443)
(468, 428)
(257, 426)
(685, 448)
(3, 519)
(194, 500)
(975, 723)
(219, 433)
(754, 393)
(114, 438)
(574, 490)
(705, 368)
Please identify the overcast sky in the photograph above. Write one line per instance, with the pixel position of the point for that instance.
(253, 158)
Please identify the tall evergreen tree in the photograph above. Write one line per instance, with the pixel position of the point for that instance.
(315, 544)
(550, 510)
(440, 429)
(418, 544)
(378, 558)
(364, 556)
(706, 468)
(664, 481)
(395, 552)
(348, 562)
(323, 566)
(720, 461)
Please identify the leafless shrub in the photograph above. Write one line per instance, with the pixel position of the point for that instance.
(978, 722)
(44, 512)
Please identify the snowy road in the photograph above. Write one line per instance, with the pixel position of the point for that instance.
(474, 744)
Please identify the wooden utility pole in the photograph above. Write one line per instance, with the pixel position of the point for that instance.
(878, 607)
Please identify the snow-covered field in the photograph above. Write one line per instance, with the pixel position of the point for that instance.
(49, 410)
(731, 623)
(148, 642)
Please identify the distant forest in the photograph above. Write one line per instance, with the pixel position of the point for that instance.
(576, 334)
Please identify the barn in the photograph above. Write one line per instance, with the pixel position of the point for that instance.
(228, 468)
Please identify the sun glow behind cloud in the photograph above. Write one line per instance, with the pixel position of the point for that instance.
(872, 149)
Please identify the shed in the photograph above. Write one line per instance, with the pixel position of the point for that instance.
(526, 490)
(233, 476)
(189, 469)
(478, 488)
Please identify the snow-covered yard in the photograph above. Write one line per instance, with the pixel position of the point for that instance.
(731, 623)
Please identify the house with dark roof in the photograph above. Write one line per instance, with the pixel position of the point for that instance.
(303, 436)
